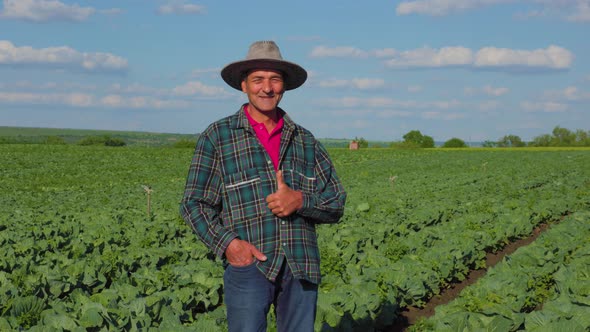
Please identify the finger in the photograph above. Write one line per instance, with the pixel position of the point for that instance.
(256, 253)
(270, 198)
(280, 181)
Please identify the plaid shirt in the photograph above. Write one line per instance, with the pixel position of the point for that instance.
(229, 178)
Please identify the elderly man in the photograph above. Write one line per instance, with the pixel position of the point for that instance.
(257, 186)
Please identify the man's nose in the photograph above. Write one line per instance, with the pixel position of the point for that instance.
(267, 86)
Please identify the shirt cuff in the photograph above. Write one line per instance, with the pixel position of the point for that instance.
(224, 243)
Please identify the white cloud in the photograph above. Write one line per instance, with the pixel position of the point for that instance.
(198, 88)
(180, 8)
(140, 102)
(134, 96)
(379, 102)
(355, 83)
(492, 58)
(582, 12)
(115, 96)
(415, 88)
(84, 100)
(553, 57)
(343, 51)
(67, 99)
(570, 10)
(385, 52)
(393, 113)
(135, 89)
(390, 103)
(45, 10)
(429, 57)
(488, 90)
(60, 57)
(570, 93)
(488, 105)
(442, 7)
(367, 83)
(436, 115)
(547, 107)
(19, 86)
(333, 83)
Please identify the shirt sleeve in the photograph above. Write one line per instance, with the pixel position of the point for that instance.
(326, 204)
(201, 204)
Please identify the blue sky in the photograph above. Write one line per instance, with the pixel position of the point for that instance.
(472, 69)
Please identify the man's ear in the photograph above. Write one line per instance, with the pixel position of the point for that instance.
(244, 85)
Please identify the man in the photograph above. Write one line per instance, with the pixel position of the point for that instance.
(257, 185)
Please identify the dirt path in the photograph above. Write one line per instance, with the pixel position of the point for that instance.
(411, 314)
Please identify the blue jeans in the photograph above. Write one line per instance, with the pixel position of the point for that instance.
(248, 296)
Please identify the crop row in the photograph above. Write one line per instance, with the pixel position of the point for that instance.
(541, 287)
(406, 243)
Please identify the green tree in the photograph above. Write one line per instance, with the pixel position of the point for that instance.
(563, 137)
(102, 140)
(489, 144)
(455, 143)
(511, 141)
(582, 138)
(114, 142)
(415, 138)
(542, 140)
(92, 140)
(185, 143)
(427, 142)
(363, 143)
(55, 140)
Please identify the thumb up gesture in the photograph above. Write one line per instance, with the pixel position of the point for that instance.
(285, 200)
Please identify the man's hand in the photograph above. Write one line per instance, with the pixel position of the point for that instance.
(242, 253)
(285, 200)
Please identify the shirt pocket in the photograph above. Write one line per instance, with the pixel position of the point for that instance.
(297, 179)
(244, 199)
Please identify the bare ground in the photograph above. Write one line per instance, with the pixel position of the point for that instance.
(411, 314)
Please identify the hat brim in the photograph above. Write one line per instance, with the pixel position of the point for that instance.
(293, 75)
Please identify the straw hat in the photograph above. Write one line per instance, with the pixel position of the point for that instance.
(264, 55)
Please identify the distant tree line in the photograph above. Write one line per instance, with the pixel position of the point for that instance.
(105, 140)
(560, 137)
(414, 139)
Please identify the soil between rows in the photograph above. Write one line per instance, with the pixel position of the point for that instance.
(411, 315)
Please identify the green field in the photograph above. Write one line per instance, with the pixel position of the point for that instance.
(79, 251)
(26, 135)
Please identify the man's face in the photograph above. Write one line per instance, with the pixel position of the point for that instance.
(264, 89)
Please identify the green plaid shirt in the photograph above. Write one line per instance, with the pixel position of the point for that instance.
(229, 178)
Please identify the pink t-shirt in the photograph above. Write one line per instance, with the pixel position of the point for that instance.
(271, 141)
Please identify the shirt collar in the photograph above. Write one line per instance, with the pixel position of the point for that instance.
(243, 122)
(253, 122)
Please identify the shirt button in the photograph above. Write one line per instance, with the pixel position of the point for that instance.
(283, 222)
(284, 244)
(269, 162)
